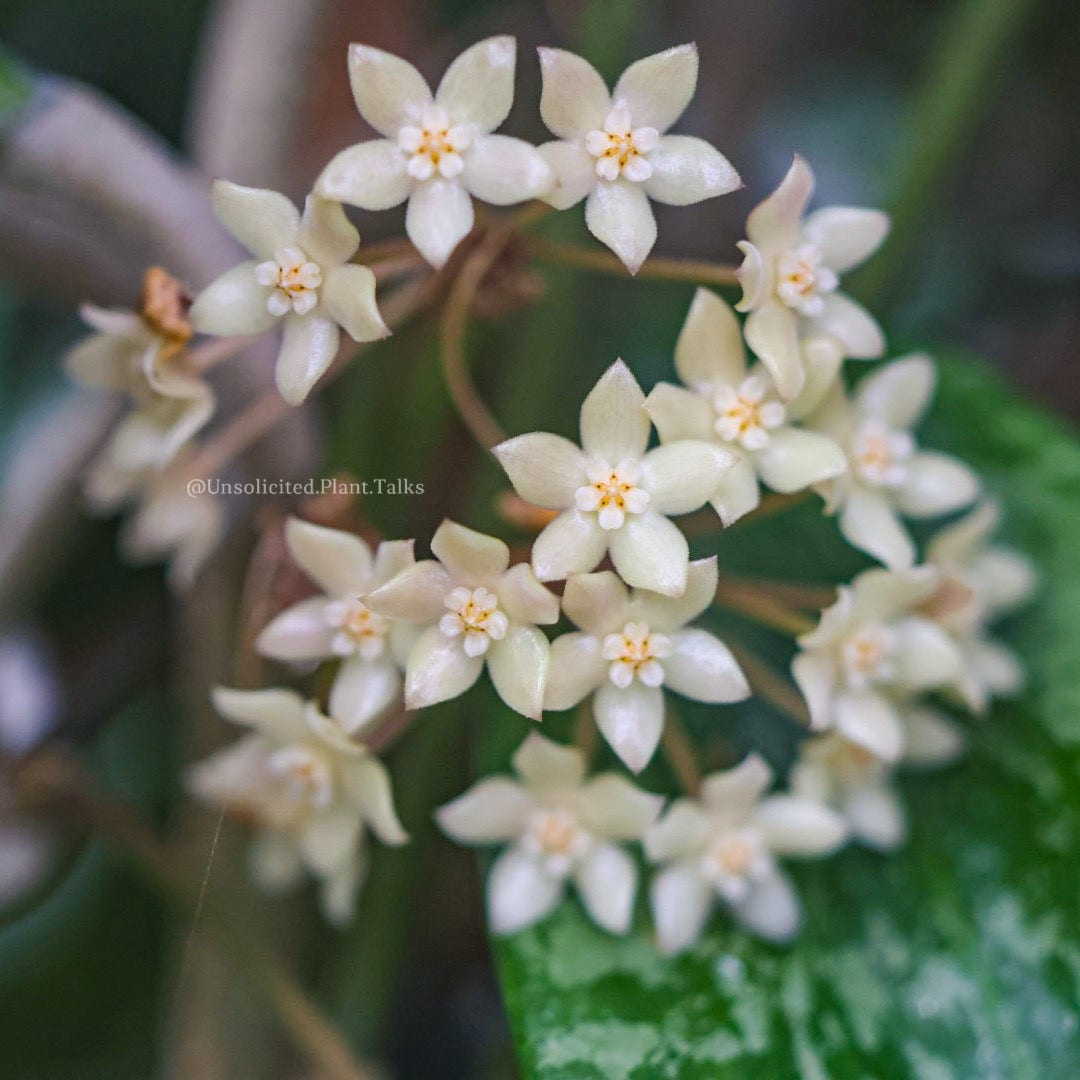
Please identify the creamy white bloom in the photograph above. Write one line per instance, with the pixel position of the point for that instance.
(471, 609)
(559, 828)
(613, 150)
(791, 272)
(632, 646)
(888, 475)
(725, 846)
(979, 583)
(437, 151)
(615, 496)
(872, 650)
(740, 410)
(336, 623)
(307, 788)
(300, 276)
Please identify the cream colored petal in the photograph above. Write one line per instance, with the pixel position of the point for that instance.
(338, 891)
(870, 524)
(502, 171)
(683, 831)
(370, 175)
(263, 221)
(545, 469)
(686, 170)
(308, 346)
(882, 595)
(815, 673)
(738, 492)
(649, 552)
(348, 297)
(330, 838)
(730, 795)
(492, 811)
(681, 902)
(391, 557)
(367, 783)
(471, 557)
(614, 423)
(361, 692)
(657, 89)
(439, 217)
(518, 666)
(931, 738)
(618, 214)
(671, 613)
(277, 714)
(771, 331)
(274, 862)
(876, 817)
(326, 235)
(438, 670)
(852, 325)
(959, 542)
(1005, 579)
(524, 599)
(519, 893)
(571, 544)
(795, 459)
(925, 655)
(545, 765)
(710, 347)
(682, 476)
(776, 223)
(796, 826)
(574, 173)
(703, 669)
(845, 235)
(631, 720)
(478, 87)
(866, 718)
(899, 393)
(999, 669)
(575, 671)
(338, 562)
(615, 808)
(822, 359)
(415, 594)
(679, 414)
(574, 99)
(300, 633)
(771, 910)
(936, 484)
(234, 303)
(606, 881)
(389, 91)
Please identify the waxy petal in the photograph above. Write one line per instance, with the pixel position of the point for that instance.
(614, 807)
(618, 214)
(657, 89)
(519, 893)
(710, 346)
(649, 552)
(868, 719)
(545, 765)
(326, 235)
(687, 170)
(493, 810)
(576, 669)
(300, 633)
(681, 476)
(738, 492)
(870, 524)
(845, 235)
(362, 691)
(574, 99)
(681, 901)
(416, 594)
(851, 324)
(438, 670)
(439, 217)
(502, 171)
(471, 557)
(631, 720)
(368, 785)
(731, 794)
(795, 459)
(776, 223)
(876, 817)
(899, 393)
(796, 826)
(518, 666)
(234, 303)
(936, 484)
(478, 87)
(925, 655)
(815, 675)
(524, 599)
(337, 561)
(671, 613)
(607, 883)
(262, 221)
(370, 175)
(772, 332)
(771, 910)
(703, 669)
(679, 414)
(277, 714)
(545, 469)
(614, 423)
(348, 297)
(571, 544)
(308, 346)
(574, 173)
(598, 603)
(389, 92)
(683, 831)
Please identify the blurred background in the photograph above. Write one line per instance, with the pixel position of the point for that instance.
(959, 117)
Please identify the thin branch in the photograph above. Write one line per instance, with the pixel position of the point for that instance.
(767, 684)
(791, 593)
(744, 598)
(680, 752)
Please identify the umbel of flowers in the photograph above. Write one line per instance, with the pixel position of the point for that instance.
(753, 409)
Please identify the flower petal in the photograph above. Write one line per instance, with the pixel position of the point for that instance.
(681, 476)
(657, 89)
(671, 613)
(368, 785)
(776, 223)
(234, 303)
(771, 331)
(576, 670)
(348, 297)
(545, 469)
(326, 234)
(389, 91)
(1006, 579)
(473, 558)
(649, 552)
(681, 901)
(936, 484)
(274, 862)
(598, 603)
(931, 738)
(548, 766)
(391, 557)
(370, 175)
(263, 221)
(925, 655)
(710, 346)
(870, 524)
(277, 714)
(631, 720)
(574, 173)
(501, 170)
(771, 910)
(308, 345)
(703, 669)
(524, 599)
(574, 99)
(518, 666)
(439, 217)
(815, 675)
(478, 87)
(731, 794)
(876, 816)
(493, 810)
(571, 544)
(684, 830)
(415, 594)
(330, 837)
(438, 670)
(795, 459)
(883, 595)
(298, 634)
(797, 826)
(845, 235)
(899, 393)
(519, 893)
(337, 561)
(687, 170)
(614, 423)
(618, 215)
(822, 358)
(362, 691)
(852, 325)
(738, 492)
(615, 808)
(607, 883)
(866, 718)
(679, 414)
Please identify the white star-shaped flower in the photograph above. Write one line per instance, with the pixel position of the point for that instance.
(437, 151)
(300, 276)
(790, 275)
(309, 790)
(740, 410)
(888, 475)
(871, 652)
(724, 847)
(473, 609)
(614, 494)
(632, 646)
(612, 149)
(560, 828)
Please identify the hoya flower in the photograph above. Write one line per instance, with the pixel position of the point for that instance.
(613, 150)
(473, 609)
(979, 583)
(437, 151)
(614, 495)
(632, 646)
(559, 828)
(871, 651)
(888, 475)
(307, 788)
(738, 409)
(791, 272)
(724, 847)
(301, 277)
(336, 623)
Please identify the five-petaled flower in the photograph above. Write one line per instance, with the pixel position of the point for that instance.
(887, 473)
(437, 151)
(473, 608)
(724, 847)
(631, 646)
(740, 410)
(790, 274)
(307, 788)
(559, 828)
(301, 274)
(615, 495)
(612, 148)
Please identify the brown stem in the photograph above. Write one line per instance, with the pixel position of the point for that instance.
(791, 593)
(585, 733)
(746, 599)
(680, 753)
(210, 353)
(767, 684)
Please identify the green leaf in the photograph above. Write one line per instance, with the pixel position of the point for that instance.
(958, 957)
